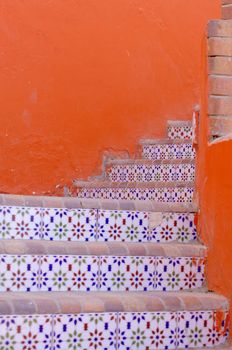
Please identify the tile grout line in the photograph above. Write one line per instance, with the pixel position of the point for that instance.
(117, 331)
(97, 226)
(52, 333)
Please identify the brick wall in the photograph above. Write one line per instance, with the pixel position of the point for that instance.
(220, 72)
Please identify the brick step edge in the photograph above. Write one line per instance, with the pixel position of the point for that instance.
(92, 203)
(143, 161)
(157, 142)
(125, 185)
(179, 123)
(40, 247)
(19, 303)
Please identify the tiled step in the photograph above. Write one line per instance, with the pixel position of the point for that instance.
(180, 130)
(174, 192)
(103, 321)
(167, 149)
(107, 270)
(125, 171)
(63, 224)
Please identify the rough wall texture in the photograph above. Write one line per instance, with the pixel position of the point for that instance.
(78, 77)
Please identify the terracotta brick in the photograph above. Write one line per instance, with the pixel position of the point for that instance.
(220, 125)
(53, 202)
(75, 302)
(9, 199)
(225, 2)
(220, 65)
(72, 202)
(172, 302)
(220, 85)
(34, 201)
(192, 302)
(24, 307)
(227, 11)
(100, 248)
(220, 28)
(219, 46)
(219, 105)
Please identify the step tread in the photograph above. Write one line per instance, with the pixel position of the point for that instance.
(40, 247)
(107, 183)
(145, 205)
(93, 203)
(179, 123)
(20, 303)
(143, 161)
(165, 141)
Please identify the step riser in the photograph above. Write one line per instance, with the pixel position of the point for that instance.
(151, 173)
(31, 273)
(162, 195)
(124, 331)
(176, 132)
(168, 152)
(95, 225)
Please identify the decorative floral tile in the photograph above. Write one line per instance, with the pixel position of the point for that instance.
(151, 173)
(69, 273)
(163, 195)
(69, 224)
(179, 227)
(19, 273)
(168, 151)
(180, 132)
(26, 332)
(179, 273)
(147, 331)
(85, 331)
(127, 273)
(115, 225)
(121, 331)
(20, 223)
(195, 329)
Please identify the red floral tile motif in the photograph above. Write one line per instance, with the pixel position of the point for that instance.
(163, 195)
(180, 132)
(26, 332)
(147, 331)
(151, 173)
(69, 224)
(19, 273)
(179, 273)
(168, 151)
(116, 225)
(20, 223)
(69, 273)
(127, 273)
(85, 331)
(179, 227)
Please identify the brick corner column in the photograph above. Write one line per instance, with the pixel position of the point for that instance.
(220, 75)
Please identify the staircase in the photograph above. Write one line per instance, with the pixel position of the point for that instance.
(116, 266)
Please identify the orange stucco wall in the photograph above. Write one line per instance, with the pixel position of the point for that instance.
(79, 77)
(214, 180)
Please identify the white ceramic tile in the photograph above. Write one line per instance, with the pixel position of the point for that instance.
(69, 224)
(116, 225)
